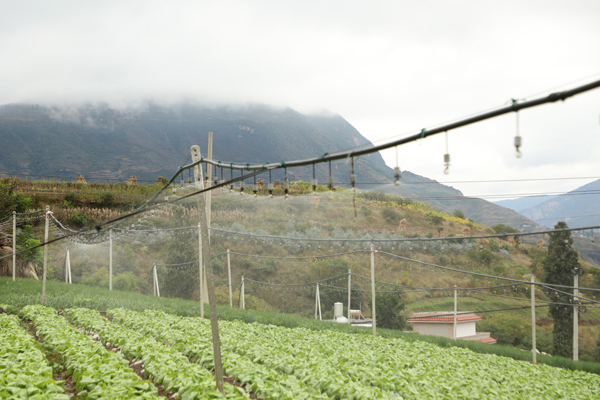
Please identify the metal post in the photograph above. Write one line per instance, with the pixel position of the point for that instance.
(576, 319)
(229, 277)
(46, 228)
(455, 309)
(349, 291)
(14, 269)
(242, 300)
(373, 290)
(110, 259)
(533, 344)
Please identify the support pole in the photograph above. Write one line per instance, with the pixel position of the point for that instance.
(316, 300)
(199, 185)
(455, 310)
(576, 318)
(229, 278)
(373, 290)
(46, 228)
(156, 282)
(110, 259)
(66, 266)
(242, 299)
(319, 302)
(214, 323)
(349, 292)
(533, 344)
(14, 269)
(153, 280)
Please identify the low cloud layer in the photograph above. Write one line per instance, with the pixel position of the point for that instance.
(388, 67)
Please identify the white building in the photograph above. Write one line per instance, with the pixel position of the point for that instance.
(440, 323)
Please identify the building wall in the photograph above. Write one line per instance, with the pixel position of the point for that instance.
(445, 329)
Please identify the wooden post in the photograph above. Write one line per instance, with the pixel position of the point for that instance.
(533, 344)
(46, 228)
(349, 292)
(455, 310)
(229, 277)
(373, 290)
(14, 240)
(110, 259)
(576, 318)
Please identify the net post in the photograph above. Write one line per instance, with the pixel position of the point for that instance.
(110, 259)
(349, 292)
(455, 310)
(576, 318)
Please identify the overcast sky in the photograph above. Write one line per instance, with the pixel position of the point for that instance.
(388, 67)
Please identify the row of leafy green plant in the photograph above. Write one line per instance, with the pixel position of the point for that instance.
(97, 372)
(62, 296)
(24, 369)
(361, 366)
(164, 364)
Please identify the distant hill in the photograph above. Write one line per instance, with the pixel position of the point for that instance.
(523, 203)
(579, 207)
(148, 141)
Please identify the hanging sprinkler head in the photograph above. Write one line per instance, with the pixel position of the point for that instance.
(241, 187)
(517, 146)
(286, 184)
(397, 175)
(447, 163)
(314, 181)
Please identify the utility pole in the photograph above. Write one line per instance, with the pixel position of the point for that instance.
(46, 228)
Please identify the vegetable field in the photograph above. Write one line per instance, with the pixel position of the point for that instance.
(260, 361)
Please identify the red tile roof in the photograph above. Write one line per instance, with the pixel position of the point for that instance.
(468, 317)
(487, 340)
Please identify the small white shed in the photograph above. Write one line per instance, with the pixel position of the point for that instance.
(439, 323)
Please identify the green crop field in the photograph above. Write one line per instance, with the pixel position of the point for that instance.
(261, 361)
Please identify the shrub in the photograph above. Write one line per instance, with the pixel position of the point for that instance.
(458, 214)
(127, 281)
(391, 215)
(107, 199)
(494, 246)
(435, 219)
(79, 219)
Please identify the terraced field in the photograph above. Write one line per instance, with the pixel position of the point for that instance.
(260, 361)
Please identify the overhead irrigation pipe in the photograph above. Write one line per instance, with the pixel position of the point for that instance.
(514, 107)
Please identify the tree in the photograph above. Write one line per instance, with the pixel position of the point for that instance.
(559, 263)
(389, 309)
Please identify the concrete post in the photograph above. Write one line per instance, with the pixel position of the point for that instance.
(455, 310)
(242, 300)
(199, 185)
(157, 288)
(373, 290)
(229, 278)
(14, 257)
(576, 318)
(349, 292)
(533, 344)
(110, 264)
(46, 228)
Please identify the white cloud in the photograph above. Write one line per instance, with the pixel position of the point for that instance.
(388, 67)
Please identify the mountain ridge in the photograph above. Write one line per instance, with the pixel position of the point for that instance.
(101, 142)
